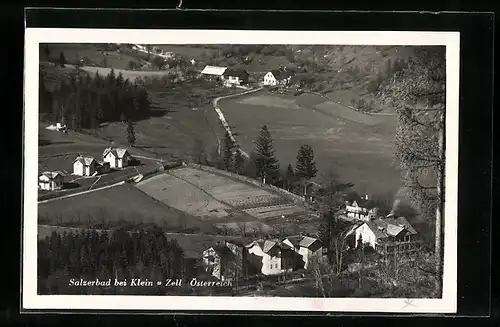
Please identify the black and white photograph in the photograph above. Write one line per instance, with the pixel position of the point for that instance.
(251, 170)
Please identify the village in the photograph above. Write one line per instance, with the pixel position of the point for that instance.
(230, 223)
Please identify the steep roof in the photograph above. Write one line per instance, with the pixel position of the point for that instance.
(86, 161)
(387, 227)
(118, 152)
(239, 72)
(213, 70)
(52, 174)
(281, 74)
(307, 241)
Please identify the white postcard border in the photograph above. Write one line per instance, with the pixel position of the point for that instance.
(30, 298)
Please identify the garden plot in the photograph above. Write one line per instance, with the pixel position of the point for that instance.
(275, 211)
(183, 196)
(234, 193)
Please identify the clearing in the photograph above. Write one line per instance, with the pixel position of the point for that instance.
(357, 147)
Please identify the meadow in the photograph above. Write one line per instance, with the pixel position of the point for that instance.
(354, 146)
(122, 206)
(183, 122)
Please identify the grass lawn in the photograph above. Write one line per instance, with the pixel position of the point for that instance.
(73, 52)
(357, 152)
(120, 206)
(127, 74)
(183, 121)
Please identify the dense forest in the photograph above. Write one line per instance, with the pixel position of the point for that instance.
(85, 102)
(118, 254)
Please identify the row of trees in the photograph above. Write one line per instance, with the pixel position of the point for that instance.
(85, 102)
(104, 255)
(263, 163)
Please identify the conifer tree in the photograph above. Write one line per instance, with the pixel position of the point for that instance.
(305, 168)
(227, 152)
(239, 162)
(131, 132)
(62, 59)
(267, 165)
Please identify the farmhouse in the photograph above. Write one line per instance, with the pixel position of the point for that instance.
(213, 72)
(280, 76)
(385, 235)
(276, 257)
(307, 247)
(361, 209)
(51, 180)
(233, 76)
(225, 261)
(84, 166)
(117, 158)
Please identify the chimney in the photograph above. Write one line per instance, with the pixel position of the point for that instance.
(366, 197)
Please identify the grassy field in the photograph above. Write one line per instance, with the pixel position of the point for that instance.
(58, 150)
(183, 121)
(357, 147)
(74, 52)
(120, 206)
(127, 74)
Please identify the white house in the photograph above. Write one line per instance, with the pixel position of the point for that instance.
(278, 77)
(307, 247)
(51, 180)
(233, 76)
(277, 257)
(377, 232)
(361, 209)
(84, 166)
(117, 158)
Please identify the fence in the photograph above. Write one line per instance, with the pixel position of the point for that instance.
(295, 198)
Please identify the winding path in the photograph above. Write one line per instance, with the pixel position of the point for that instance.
(223, 121)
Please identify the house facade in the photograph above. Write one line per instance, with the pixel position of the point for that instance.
(361, 209)
(307, 247)
(278, 77)
(276, 257)
(84, 166)
(214, 73)
(51, 180)
(117, 158)
(233, 76)
(386, 234)
(225, 261)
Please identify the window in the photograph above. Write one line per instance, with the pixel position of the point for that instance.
(407, 238)
(276, 266)
(271, 267)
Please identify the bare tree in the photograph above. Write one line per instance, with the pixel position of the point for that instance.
(418, 95)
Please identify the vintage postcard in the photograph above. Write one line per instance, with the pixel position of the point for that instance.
(198, 170)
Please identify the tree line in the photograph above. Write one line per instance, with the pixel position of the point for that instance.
(104, 255)
(83, 101)
(263, 164)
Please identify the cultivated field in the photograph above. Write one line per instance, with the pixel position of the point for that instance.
(356, 147)
(215, 197)
(119, 206)
(183, 196)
